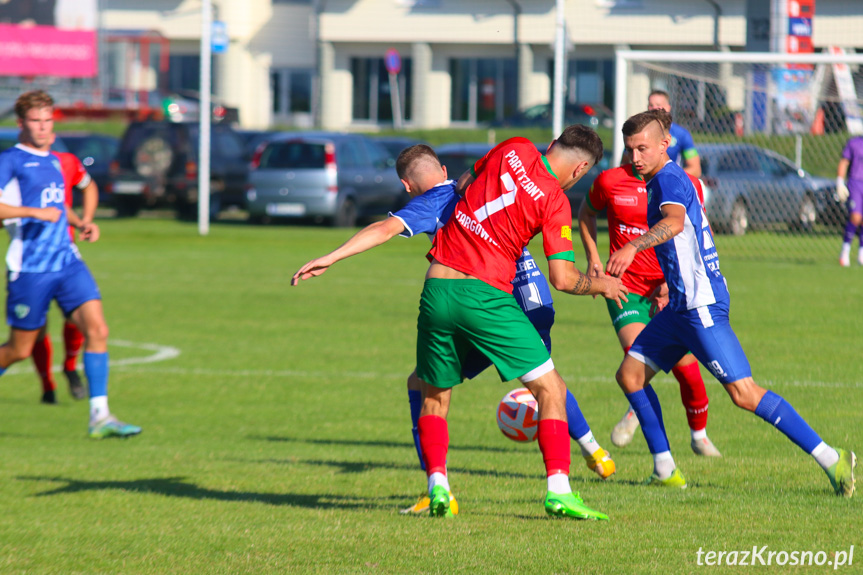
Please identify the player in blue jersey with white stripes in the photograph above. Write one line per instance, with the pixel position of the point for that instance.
(42, 262)
(695, 316)
(434, 198)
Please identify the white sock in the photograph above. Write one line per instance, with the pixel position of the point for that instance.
(825, 455)
(588, 444)
(698, 435)
(663, 464)
(860, 256)
(846, 250)
(559, 483)
(438, 478)
(99, 408)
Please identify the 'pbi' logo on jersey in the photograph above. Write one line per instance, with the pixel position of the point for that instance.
(52, 195)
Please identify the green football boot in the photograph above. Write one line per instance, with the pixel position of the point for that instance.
(439, 502)
(676, 479)
(841, 473)
(112, 427)
(570, 505)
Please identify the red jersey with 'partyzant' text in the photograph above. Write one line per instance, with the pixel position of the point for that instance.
(515, 195)
(624, 195)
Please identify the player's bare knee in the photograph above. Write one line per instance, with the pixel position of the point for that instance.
(628, 380)
(97, 332)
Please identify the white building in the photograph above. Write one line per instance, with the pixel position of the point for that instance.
(300, 62)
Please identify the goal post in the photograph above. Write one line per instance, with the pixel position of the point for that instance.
(769, 129)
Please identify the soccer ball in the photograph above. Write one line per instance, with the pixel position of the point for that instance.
(518, 416)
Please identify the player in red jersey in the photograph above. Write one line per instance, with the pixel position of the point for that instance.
(512, 194)
(75, 176)
(622, 192)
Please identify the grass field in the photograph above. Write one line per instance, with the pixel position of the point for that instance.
(278, 440)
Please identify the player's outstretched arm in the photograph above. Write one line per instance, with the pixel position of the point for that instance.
(587, 230)
(45, 214)
(367, 238)
(566, 278)
(669, 226)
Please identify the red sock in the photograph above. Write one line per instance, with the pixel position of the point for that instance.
(692, 394)
(73, 340)
(434, 440)
(554, 444)
(42, 352)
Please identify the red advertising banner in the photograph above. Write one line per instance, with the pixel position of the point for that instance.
(47, 51)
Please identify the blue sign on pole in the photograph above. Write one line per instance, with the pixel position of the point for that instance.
(800, 27)
(219, 39)
(393, 61)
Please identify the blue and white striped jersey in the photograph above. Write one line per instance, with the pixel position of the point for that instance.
(429, 212)
(689, 260)
(32, 178)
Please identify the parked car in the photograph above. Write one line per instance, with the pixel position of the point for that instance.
(157, 164)
(750, 187)
(96, 152)
(337, 178)
(254, 138)
(459, 158)
(395, 144)
(541, 116)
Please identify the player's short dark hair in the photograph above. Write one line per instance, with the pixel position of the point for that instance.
(660, 93)
(409, 156)
(33, 99)
(581, 138)
(639, 122)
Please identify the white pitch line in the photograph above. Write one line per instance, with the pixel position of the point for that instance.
(160, 353)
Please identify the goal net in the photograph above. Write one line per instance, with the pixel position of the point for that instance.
(769, 130)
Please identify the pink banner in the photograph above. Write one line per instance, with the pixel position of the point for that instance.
(47, 51)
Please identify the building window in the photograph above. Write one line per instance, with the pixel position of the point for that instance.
(372, 93)
(589, 81)
(483, 89)
(292, 91)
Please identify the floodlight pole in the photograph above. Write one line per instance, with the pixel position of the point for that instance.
(559, 55)
(204, 119)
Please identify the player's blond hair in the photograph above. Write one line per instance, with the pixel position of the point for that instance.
(34, 99)
(639, 122)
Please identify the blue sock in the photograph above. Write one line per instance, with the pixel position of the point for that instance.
(2, 370)
(651, 422)
(96, 370)
(415, 397)
(776, 411)
(654, 403)
(578, 426)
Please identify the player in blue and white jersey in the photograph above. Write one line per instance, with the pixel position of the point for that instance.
(695, 316)
(433, 200)
(42, 262)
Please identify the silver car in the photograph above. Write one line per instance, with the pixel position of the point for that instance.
(748, 187)
(335, 178)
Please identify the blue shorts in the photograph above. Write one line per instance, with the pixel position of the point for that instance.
(30, 294)
(704, 331)
(542, 319)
